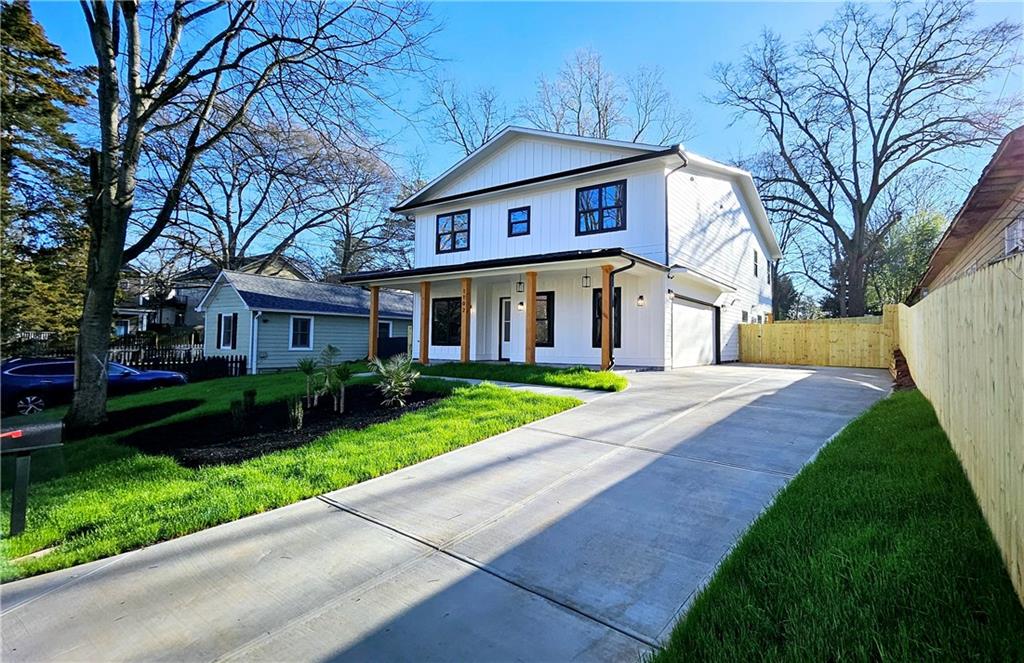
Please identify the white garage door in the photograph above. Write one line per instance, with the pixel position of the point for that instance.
(693, 334)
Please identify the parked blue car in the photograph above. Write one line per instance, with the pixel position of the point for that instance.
(28, 386)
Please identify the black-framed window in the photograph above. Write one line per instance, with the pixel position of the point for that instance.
(384, 329)
(595, 334)
(755, 262)
(453, 232)
(519, 221)
(601, 208)
(545, 320)
(446, 321)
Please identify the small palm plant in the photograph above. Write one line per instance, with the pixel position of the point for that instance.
(335, 378)
(329, 355)
(397, 378)
(308, 368)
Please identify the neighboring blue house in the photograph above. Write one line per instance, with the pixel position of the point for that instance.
(277, 321)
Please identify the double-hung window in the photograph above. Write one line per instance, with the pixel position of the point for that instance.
(601, 208)
(596, 307)
(301, 333)
(227, 331)
(755, 263)
(453, 232)
(519, 221)
(446, 321)
(1013, 236)
(545, 320)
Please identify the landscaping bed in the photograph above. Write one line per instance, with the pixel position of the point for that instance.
(876, 551)
(217, 439)
(573, 377)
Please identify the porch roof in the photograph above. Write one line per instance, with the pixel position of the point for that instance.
(614, 256)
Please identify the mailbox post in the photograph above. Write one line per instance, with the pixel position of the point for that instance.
(21, 443)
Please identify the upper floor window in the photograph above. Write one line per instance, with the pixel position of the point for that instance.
(755, 262)
(519, 221)
(601, 208)
(453, 232)
(1013, 236)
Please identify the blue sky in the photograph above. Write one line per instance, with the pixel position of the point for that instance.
(507, 45)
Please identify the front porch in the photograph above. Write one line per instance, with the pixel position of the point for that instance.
(555, 311)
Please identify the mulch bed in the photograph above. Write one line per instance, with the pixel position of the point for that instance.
(213, 439)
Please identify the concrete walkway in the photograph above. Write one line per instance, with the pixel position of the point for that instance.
(580, 536)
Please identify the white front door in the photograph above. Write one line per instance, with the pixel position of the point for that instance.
(693, 334)
(504, 327)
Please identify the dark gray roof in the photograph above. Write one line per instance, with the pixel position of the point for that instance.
(210, 271)
(281, 294)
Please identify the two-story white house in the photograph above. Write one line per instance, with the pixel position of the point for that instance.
(547, 248)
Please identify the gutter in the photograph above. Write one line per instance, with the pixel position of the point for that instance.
(253, 341)
(611, 298)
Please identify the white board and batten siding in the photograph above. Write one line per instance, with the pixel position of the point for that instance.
(711, 230)
(226, 301)
(350, 334)
(552, 221)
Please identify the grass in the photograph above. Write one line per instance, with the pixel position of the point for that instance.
(876, 551)
(577, 377)
(113, 498)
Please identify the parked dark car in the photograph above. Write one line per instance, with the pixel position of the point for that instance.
(30, 385)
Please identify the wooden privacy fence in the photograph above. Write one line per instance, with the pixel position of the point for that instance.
(860, 342)
(964, 344)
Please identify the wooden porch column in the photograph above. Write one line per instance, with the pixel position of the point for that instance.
(424, 322)
(464, 326)
(606, 317)
(531, 317)
(374, 307)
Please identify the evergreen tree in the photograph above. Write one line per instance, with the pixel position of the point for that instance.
(43, 181)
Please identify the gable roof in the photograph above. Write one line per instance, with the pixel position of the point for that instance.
(503, 138)
(272, 293)
(1000, 179)
(210, 271)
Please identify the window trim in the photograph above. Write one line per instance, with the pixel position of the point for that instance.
(391, 327)
(437, 231)
(1016, 226)
(550, 296)
(221, 328)
(525, 208)
(600, 208)
(595, 331)
(291, 333)
(433, 317)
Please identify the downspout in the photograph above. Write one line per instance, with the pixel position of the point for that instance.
(253, 341)
(611, 313)
(682, 155)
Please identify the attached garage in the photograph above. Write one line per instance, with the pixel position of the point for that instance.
(694, 338)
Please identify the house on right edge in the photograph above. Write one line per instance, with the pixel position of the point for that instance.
(548, 248)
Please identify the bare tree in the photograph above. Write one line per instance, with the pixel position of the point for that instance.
(466, 119)
(200, 68)
(869, 100)
(586, 99)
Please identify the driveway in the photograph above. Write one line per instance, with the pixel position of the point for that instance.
(580, 536)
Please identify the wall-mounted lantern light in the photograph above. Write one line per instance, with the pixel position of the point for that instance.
(641, 302)
(585, 281)
(520, 286)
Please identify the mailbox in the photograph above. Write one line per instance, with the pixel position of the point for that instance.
(21, 443)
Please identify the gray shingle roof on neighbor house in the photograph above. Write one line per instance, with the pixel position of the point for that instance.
(281, 294)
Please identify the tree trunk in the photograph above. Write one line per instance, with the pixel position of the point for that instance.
(856, 284)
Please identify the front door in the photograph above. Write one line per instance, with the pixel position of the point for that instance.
(504, 328)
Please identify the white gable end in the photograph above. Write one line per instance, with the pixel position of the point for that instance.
(527, 157)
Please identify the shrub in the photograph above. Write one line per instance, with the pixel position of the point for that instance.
(249, 401)
(308, 367)
(335, 378)
(397, 378)
(295, 413)
(237, 415)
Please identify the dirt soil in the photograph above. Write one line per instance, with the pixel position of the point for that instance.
(213, 439)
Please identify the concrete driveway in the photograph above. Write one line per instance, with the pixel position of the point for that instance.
(581, 536)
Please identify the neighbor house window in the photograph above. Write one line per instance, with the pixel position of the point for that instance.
(1013, 236)
(301, 336)
(453, 232)
(755, 262)
(745, 316)
(601, 208)
(384, 329)
(519, 221)
(545, 321)
(446, 321)
(596, 308)
(227, 331)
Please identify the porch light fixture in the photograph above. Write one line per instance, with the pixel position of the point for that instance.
(585, 281)
(641, 302)
(520, 306)
(520, 286)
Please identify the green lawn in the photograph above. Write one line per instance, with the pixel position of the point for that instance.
(876, 551)
(577, 377)
(113, 498)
